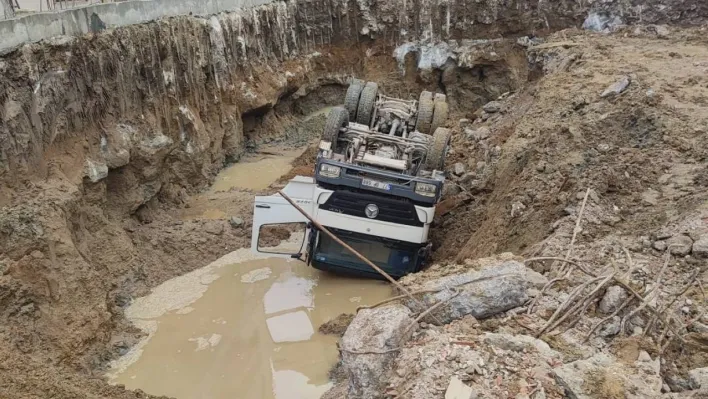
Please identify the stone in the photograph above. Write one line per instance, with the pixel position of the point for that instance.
(95, 171)
(216, 229)
(700, 247)
(492, 107)
(659, 245)
(650, 197)
(679, 245)
(492, 290)
(373, 330)
(601, 21)
(678, 384)
(481, 133)
(698, 378)
(456, 389)
(698, 327)
(574, 377)
(236, 222)
(613, 298)
(519, 343)
(617, 88)
(459, 169)
(464, 122)
(611, 327)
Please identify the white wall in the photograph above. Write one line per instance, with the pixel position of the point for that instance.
(35, 27)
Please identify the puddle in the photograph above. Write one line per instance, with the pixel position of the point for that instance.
(256, 172)
(241, 330)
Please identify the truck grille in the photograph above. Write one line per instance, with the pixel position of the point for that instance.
(401, 211)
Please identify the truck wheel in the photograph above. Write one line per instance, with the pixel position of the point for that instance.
(440, 112)
(337, 118)
(435, 160)
(366, 103)
(351, 100)
(425, 112)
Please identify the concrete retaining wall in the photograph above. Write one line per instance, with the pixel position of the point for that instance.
(78, 21)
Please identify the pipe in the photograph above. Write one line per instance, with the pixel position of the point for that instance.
(352, 250)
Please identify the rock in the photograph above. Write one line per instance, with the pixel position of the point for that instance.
(700, 247)
(698, 378)
(580, 378)
(678, 384)
(613, 298)
(464, 122)
(679, 245)
(456, 389)
(215, 228)
(616, 88)
(519, 343)
(373, 330)
(236, 222)
(95, 171)
(611, 327)
(492, 107)
(484, 293)
(650, 197)
(459, 169)
(450, 189)
(659, 245)
(599, 21)
(698, 327)
(481, 133)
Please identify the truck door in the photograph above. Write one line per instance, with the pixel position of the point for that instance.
(279, 229)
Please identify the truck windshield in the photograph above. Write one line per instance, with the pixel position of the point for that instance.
(391, 256)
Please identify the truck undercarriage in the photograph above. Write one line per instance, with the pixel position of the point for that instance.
(379, 175)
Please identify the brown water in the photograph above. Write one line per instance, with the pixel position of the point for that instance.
(256, 172)
(252, 334)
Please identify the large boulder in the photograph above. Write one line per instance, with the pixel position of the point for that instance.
(484, 293)
(366, 347)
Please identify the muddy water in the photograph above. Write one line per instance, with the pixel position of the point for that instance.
(251, 334)
(256, 172)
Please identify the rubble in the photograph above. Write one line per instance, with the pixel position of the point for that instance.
(602, 376)
(614, 296)
(700, 247)
(493, 289)
(369, 346)
(679, 245)
(617, 87)
(698, 378)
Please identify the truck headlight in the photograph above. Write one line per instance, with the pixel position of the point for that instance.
(426, 189)
(329, 170)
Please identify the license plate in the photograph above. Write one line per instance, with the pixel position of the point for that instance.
(376, 184)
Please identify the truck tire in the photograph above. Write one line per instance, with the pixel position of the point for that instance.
(367, 101)
(425, 112)
(351, 100)
(435, 160)
(440, 112)
(337, 118)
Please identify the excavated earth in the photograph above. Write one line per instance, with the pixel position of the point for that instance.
(107, 139)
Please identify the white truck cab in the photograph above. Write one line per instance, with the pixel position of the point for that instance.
(390, 231)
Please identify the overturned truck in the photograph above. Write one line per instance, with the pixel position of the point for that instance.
(378, 176)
